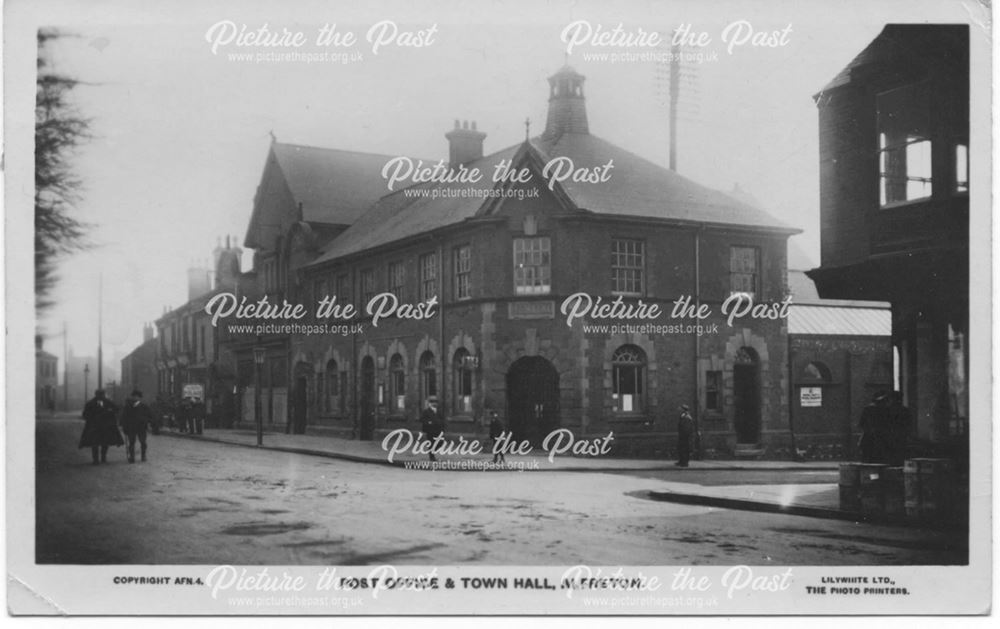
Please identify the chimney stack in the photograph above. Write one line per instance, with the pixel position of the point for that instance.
(465, 144)
(199, 280)
(147, 332)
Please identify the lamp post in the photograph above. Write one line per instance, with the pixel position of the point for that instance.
(258, 361)
(86, 380)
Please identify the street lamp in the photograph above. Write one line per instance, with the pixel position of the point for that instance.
(258, 361)
(86, 380)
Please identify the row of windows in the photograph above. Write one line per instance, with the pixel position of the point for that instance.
(905, 155)
(532, 259)
(332, 385)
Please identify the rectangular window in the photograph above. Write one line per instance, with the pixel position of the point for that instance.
(397, 279)
(713, 390)
(367, 286)
(428, 276)
(320, 290)
(904, 144)
(962, 168)
(627, 388)
(627, 264)
(744, 270)
(532, 266)
(463, 272)
(343, 290)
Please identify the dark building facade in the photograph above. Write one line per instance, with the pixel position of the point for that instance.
(188, 347)
(839, 358)
(486, 269)
(46, 378)
(894, 203)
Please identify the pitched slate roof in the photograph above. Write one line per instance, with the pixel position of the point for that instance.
(637, 188)
(333, 186)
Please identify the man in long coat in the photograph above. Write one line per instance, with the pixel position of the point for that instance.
(101, 428)
(685, 434)
(136, 416)
(430, 421)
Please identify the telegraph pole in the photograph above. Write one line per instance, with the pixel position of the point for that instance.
(100, 330)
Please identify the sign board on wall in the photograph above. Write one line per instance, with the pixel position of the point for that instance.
(811, 396)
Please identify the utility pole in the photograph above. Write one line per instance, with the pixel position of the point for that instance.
(675, 90)
(65, 369)
(100, 330)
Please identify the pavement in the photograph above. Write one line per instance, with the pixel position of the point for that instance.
(815, 499)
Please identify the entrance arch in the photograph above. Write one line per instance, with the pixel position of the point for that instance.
(532, 399)
(746, 395)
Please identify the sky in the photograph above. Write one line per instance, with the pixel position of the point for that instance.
(181, 134)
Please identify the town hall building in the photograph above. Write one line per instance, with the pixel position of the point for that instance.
(499, 260)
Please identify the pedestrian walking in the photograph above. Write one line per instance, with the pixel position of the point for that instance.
(685, 432)
(496, 430)
(100, 430)
(430, 421)
(136, 416)
(185, 415)
(197, 424)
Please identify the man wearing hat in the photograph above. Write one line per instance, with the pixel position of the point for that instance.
(685, 431)
(135, 417)
(100, 430)
(430, 421)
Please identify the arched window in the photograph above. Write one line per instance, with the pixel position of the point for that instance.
(397, 384)
(428, 376)
(462, 386)
(629, 379)
(332, 378)
(816, 372)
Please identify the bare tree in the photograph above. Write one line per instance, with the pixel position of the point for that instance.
(59, 130)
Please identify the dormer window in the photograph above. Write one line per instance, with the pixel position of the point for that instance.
(904, 143)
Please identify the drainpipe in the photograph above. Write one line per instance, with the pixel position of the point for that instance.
(442, 391)
(791, 403)
(354, 359)
(697, 346)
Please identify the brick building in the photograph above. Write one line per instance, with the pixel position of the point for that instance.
(46, 377)
(188, 347)
(139, 367)
(839, 358)
(499, 260)
(894, 205)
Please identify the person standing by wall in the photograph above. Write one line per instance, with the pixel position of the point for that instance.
(685, 434)
(430, 422)
(496, 429)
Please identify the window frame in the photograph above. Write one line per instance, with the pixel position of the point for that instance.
(368, 286)
(756, 279)
(885, 148)
(397, 384)
(463, 383)
(428, 276)
(620, 267)
(639, 370)
(396, 276)
(462, 266)
(541, 282)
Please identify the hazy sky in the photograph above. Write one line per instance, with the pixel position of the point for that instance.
(182, 134)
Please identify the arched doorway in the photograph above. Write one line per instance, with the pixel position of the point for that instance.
(746, 395)
(367, 427)
(300, 397)
(532, 399)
